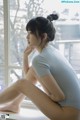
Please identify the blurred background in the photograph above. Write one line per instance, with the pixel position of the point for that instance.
(14, 15)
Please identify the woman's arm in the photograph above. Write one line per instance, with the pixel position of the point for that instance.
(48, 83)
(31, 76)
(28, 71)
(27, 51)
(42, 69)
(52, 88)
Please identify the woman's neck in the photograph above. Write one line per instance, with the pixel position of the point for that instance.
(41, 47)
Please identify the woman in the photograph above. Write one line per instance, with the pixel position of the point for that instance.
(60, 99)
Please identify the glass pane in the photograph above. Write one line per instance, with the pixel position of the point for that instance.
(20, 12)
(1, 33)
(72, 31)
(72, 52)
(15, 74)
(23, 10)
(2, 79)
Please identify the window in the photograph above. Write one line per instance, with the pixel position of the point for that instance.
(14, 14)
(20, 12)
(2, 82)
(68, 42)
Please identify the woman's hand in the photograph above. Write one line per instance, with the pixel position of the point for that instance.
(28, 50)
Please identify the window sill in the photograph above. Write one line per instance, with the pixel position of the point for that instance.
(28, 104)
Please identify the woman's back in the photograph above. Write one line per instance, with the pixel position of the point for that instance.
(63, 74)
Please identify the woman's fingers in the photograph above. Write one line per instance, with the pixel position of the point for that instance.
(28, 50)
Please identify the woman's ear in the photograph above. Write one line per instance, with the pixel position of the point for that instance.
(44, 36)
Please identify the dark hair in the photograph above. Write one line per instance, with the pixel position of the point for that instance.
(42, 25)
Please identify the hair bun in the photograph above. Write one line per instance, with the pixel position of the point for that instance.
(52, 17)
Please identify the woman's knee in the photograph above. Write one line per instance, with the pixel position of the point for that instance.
(21, 83)
(24, 86)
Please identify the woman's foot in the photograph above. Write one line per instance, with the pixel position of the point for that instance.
(10, 108)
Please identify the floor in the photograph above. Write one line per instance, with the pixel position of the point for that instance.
(26, 114)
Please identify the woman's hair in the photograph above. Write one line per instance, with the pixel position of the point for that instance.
(40, 25)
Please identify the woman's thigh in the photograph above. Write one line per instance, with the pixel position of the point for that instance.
(70, 113)
(50, 108)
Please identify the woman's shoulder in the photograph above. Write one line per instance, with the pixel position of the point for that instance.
(38, 58)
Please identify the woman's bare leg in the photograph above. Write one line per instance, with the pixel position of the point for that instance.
(39, 98)
(14, 106)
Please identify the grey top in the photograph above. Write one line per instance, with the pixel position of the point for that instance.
(50, 60)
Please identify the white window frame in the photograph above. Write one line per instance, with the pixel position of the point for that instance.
(6, 50)
(6, 40)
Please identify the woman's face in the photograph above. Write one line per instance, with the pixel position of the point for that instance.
(33, 40)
